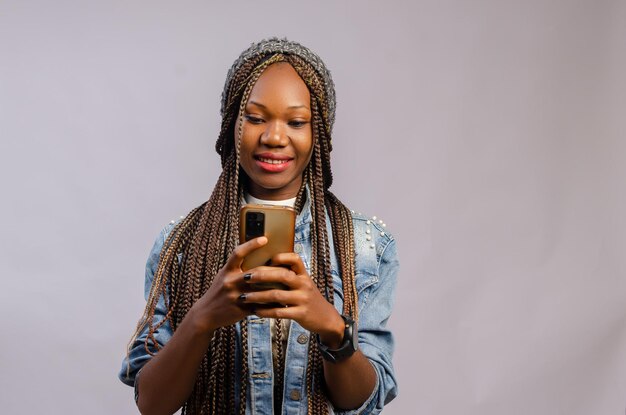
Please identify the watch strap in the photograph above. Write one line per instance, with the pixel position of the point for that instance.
(348, 346)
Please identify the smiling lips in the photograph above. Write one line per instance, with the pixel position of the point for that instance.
(273, 163)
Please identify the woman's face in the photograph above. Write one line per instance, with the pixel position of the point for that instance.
(277, 139)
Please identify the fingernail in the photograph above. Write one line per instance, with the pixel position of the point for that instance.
(246, 277)
(242, 297)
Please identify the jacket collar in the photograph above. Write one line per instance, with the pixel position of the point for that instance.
(304, 217)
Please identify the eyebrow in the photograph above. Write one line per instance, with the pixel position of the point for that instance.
(258, 104)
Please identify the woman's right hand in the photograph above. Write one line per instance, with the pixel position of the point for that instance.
(220, 305)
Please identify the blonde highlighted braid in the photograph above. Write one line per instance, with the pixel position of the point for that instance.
(198, 246)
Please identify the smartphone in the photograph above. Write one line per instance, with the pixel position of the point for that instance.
(277, 223)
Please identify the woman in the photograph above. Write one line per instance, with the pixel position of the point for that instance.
(209, 342)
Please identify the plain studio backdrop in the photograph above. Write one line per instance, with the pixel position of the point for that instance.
(488, 135)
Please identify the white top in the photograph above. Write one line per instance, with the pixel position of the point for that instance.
(253, 200)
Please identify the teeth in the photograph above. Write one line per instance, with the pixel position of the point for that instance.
(272, 161)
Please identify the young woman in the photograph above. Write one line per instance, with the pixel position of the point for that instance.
(211, 343)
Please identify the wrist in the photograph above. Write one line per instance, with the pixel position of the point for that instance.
(349, 342)
(199, 325)
(333, 336)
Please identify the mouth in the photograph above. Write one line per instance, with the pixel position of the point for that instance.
(273, 163)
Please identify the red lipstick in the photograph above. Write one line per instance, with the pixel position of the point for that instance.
(273, 162)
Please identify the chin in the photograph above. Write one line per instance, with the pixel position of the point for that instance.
(272, 186)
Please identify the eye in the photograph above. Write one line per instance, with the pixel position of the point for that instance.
(252, 119)
(298, 123)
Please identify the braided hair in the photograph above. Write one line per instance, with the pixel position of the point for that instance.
(199, 245)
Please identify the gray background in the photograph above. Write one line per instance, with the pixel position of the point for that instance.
(489, 135)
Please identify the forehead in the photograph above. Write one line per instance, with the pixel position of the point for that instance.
(280, 84)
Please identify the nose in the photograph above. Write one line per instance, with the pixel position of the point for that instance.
(274, 135)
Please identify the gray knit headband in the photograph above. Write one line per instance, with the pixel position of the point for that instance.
(276, 45)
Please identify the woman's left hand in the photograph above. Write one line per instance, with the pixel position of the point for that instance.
(302, 302)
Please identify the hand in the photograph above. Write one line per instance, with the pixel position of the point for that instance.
(302, 302)
(220, 306)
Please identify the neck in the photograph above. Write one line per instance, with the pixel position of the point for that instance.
(288, 192)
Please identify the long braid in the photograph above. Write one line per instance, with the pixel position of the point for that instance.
(244, 367)
(198, 246)
(343, 234)
(280, 363)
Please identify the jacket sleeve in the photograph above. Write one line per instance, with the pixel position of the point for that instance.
(375, 340)
(137, 354)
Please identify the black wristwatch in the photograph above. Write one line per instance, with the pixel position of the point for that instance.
(349, 345)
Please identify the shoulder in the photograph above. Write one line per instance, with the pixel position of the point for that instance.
(175, 222)
(170, 226)
(376, 261)
(164, 234)
(371, 236)
(372, 228)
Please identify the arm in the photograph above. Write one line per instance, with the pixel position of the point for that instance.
(168, 378)
(351, 381)
(375, 339)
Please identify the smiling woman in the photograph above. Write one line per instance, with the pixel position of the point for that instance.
(316, 341)
(276, 142)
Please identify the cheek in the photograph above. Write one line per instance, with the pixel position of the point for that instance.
(303, 142)
(247, 142)
(245, 152)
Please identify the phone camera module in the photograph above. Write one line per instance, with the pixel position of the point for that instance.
(255, 225)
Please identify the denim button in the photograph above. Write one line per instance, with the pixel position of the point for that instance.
(294, 394)
(297, 248)
(303, 339)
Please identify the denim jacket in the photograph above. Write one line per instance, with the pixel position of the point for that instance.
(376, 271)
